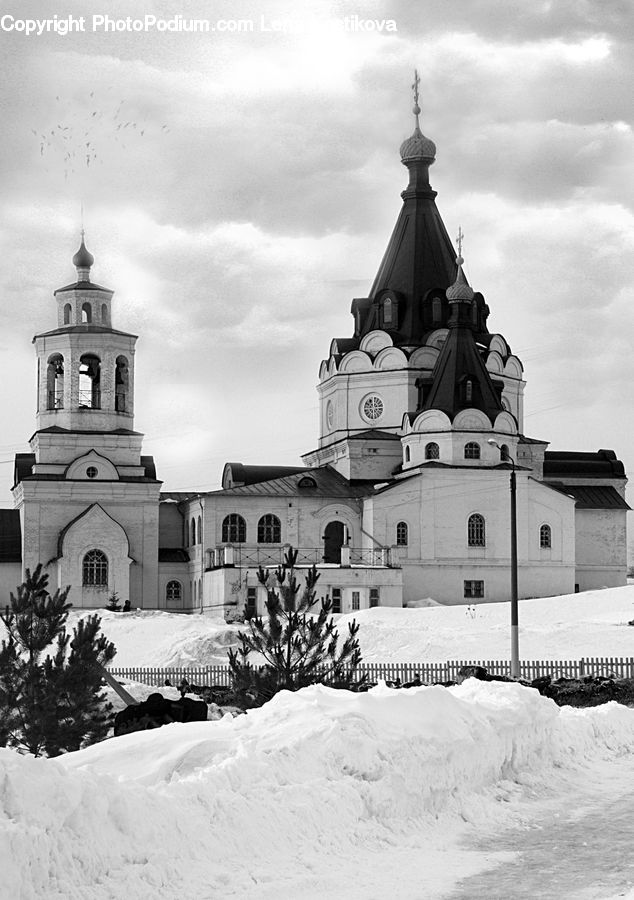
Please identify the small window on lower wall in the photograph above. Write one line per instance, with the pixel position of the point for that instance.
(473, 590)
(174, 593)
(355, 600)
(374, 597)
(336, 600)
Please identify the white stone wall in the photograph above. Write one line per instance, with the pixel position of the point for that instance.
(47, 507)
(601, 548)
(437, 504)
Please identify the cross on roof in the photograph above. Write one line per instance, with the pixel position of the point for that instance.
(459, 240)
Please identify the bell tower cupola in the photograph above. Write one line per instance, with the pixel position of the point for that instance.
(85, 366)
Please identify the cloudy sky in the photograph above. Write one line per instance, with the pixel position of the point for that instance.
(239, 188)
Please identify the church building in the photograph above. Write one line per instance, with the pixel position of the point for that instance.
(405, 497)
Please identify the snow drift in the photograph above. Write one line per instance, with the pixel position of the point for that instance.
(590, 624)
(320, 777)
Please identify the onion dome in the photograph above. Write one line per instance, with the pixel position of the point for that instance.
(417, 146)
(459, 290)
(83, 261)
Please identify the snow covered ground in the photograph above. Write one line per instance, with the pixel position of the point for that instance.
(580, 625)
(318, 794)
(484, 791)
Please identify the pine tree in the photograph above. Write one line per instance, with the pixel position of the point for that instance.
(298, 646)
(54, 703)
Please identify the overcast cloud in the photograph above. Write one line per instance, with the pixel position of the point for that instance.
(252, 193)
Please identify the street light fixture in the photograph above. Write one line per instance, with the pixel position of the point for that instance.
(515, 641)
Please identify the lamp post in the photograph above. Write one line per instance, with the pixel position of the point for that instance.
(515, 641)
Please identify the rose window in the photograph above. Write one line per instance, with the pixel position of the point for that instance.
(373, 408)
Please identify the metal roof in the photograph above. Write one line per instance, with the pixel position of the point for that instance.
(592, 496)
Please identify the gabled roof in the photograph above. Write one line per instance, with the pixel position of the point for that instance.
(237, 474)
(10, 536)
(24, 462)
(326, 482)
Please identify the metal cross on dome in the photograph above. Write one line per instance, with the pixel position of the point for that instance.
(459, 240)
(415, 86)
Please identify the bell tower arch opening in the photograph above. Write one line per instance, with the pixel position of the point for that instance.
(55, 382)
(89, 381)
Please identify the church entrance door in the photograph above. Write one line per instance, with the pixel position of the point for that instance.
(334, 539)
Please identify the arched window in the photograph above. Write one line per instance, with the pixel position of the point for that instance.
(545, 537)
(173, 593)
(68, 311)
(200, 530)
(121, 384)
(104, 314)
(436, 306)
(408, 454)
(269, 530)
(468, 390)
(402, 534)
(234, 529)
(193, 527)
(86, 313)
(95, 569)
(90, 381)
(55, 382)
(476, 533)
(472, 450)
(432, 451)
(504, 453)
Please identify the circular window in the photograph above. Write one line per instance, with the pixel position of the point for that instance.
(372, 407)
(330, 414)
(92, 472)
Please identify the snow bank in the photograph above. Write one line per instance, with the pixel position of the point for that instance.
(218, 809)
(589, 624)
(593, 623)
(154, 638)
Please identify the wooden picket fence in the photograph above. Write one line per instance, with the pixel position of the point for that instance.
(429, 673)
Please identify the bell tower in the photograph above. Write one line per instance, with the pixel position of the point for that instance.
(85, 366)
(88, 499)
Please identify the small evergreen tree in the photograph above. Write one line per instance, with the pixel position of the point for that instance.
(54, 703)
(298, 647)
(114, 604)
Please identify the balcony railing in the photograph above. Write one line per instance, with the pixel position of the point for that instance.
(90, 399)
(253, 557)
